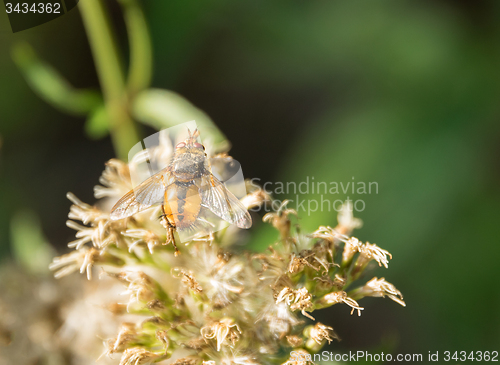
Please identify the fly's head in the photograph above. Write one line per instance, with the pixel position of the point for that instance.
(189, 158)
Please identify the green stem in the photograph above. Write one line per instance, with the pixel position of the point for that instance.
(141, 58)
(107, 61)
(356, 294)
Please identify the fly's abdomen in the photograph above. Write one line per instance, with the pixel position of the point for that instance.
(184, 202)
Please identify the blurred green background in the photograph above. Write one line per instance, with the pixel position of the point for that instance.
(403, 93)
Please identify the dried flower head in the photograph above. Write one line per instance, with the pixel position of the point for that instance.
(224, 331)
(372, 252)
(84, 212)
(321, 333)
(149, 237)
(256, 199)
(347, 222)
(294, 340)
(115, 180)
(299, 299)
(187, 278)
(127, 336)
(339, 297)
(280, 219)
(140, 356)
(82, 259)
(380, 288)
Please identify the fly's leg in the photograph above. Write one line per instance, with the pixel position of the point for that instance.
(170, 227)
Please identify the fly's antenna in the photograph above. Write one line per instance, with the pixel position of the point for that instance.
(189, 140)
(192, 136)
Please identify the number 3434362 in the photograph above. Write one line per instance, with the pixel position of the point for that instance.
(36, 8)
(481, 356)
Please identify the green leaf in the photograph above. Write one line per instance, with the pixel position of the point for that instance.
(97, 124)
(51, 86)
(29, 246)
(163, 109)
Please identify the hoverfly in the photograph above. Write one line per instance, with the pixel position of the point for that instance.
(185, 189)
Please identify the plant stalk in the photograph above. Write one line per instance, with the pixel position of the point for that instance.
(109, 69)
(141, 54)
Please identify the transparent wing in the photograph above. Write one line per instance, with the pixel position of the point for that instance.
(148, 193)
(220, 201)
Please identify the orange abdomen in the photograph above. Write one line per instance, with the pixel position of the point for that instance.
(182, 204)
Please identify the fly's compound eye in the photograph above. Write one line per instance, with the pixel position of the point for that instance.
(198, 145)
(181, 145)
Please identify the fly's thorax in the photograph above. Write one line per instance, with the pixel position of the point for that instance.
(189, 165)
